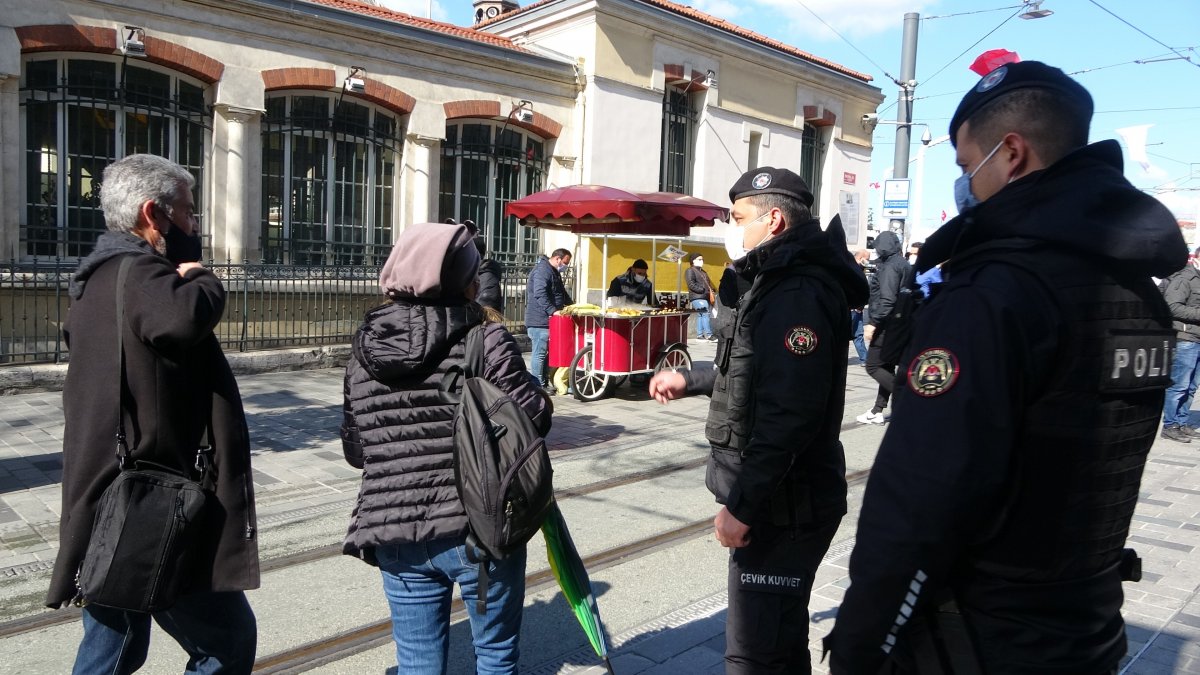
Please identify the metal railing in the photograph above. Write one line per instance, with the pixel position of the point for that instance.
(266, 306)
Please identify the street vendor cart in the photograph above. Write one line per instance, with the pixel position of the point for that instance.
(602, 345)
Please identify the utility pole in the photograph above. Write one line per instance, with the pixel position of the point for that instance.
(908, 82)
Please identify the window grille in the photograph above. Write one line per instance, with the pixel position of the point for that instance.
(679, 118)
(485, 165)
(329, 180)
(80, 115)
(812, 152)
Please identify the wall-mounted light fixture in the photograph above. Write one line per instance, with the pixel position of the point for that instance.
(710, 80)
(353, 82)
(134, 44)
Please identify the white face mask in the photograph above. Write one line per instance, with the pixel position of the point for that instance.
(639, 278)
(912, 259)
(735, 236)
(698, 262)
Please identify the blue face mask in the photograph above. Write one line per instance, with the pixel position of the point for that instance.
(963, 197)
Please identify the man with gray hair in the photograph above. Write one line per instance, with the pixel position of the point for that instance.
(172, 388)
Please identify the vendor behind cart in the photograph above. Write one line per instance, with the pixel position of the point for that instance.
(634, 286)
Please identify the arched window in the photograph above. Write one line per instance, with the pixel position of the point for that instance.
(329, 180)
(82, 114)
(485, 165)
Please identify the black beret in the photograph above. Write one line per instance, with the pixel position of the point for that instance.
(640, 264)
(1012, 76)
(769, 180)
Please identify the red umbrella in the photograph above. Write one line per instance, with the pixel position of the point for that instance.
(993, 59)
(598, 209)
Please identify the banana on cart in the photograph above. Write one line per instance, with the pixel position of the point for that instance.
(581, 309)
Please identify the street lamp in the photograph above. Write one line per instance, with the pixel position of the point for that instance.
(1035, 10)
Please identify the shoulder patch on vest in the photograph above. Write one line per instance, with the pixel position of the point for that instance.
(933, 372)
(801, 341)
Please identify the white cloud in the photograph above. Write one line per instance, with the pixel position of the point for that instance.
(1185, 205)
(416, 8)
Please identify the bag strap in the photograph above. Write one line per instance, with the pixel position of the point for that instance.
(472, 365)
(204, 452)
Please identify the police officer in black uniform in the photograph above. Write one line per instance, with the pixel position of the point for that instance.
(992, 530)
(778, 394)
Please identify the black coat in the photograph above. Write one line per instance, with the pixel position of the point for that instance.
(1183, 297)
(978, 483)
(178, 381)
(490, 293)
(396, 419)
(892, 273)
(779, 389)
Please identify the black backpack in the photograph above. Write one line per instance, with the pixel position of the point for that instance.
(501, 465)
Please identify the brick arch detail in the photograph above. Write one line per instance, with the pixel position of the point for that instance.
(375, 92)
(818, 116)
(674, 76)
(76, 38)
(541, 125)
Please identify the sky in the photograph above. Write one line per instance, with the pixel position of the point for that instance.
(1099, 42)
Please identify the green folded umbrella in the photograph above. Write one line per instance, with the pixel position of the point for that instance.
(573, 580)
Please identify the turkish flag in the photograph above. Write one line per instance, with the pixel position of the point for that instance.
(943, 215)
(993, 59)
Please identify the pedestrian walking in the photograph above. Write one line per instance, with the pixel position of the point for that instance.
(1183, 297)
(858, 314)
(891, 275)
(700, 296)
(398, 428)
(992, 530)
(545, 294)
(172, 388)
(778, 394)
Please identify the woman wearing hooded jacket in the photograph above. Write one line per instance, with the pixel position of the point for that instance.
(397, 428)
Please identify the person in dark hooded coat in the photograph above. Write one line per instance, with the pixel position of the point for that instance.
(177, 385)
(778, 394)
(992, 531)
(398, 428)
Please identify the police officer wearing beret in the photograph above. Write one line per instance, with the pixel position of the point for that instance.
(778, 393)
(992, 529)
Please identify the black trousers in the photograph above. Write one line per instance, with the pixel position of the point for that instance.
(884, 373)
(766, 628)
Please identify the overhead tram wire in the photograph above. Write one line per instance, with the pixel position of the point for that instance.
(1174, 51)
(1141, 62)
(847, 41)
(973, 45)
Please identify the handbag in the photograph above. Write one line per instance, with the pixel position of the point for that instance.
(146, 525)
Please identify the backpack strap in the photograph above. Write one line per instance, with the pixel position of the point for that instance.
(472, 365)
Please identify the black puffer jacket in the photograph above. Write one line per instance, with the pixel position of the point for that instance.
(892, 273)
(1183, 297)
(396, 417)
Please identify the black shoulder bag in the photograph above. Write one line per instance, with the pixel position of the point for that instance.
(146, 521)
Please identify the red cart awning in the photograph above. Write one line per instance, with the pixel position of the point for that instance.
(597, 209)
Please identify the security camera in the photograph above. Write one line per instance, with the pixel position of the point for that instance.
(355, 85)
(870, 121)
(524, 116)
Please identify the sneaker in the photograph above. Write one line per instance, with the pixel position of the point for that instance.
(1193, 432)
(1176, 433)
(873, 417)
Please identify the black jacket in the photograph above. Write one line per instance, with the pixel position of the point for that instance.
(396, 419)
(490, 293)
(178, 381)
(544, 294)
(892, 273)
(1008, 475)
(779, 390)
(1183, 297)
(698, 283)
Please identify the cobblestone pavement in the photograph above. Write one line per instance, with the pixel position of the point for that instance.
(298, 469)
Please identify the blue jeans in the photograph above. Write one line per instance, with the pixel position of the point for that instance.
(1185, 378)
(856, 329)
(540, 337)
(419, 579)
(217, 630)
(703, 319)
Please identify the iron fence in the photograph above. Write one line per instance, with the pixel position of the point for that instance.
(266, 306)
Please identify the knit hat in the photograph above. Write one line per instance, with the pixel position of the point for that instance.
(640, 264)
(430, 260)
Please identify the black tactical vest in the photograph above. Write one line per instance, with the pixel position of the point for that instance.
(1088, 426)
